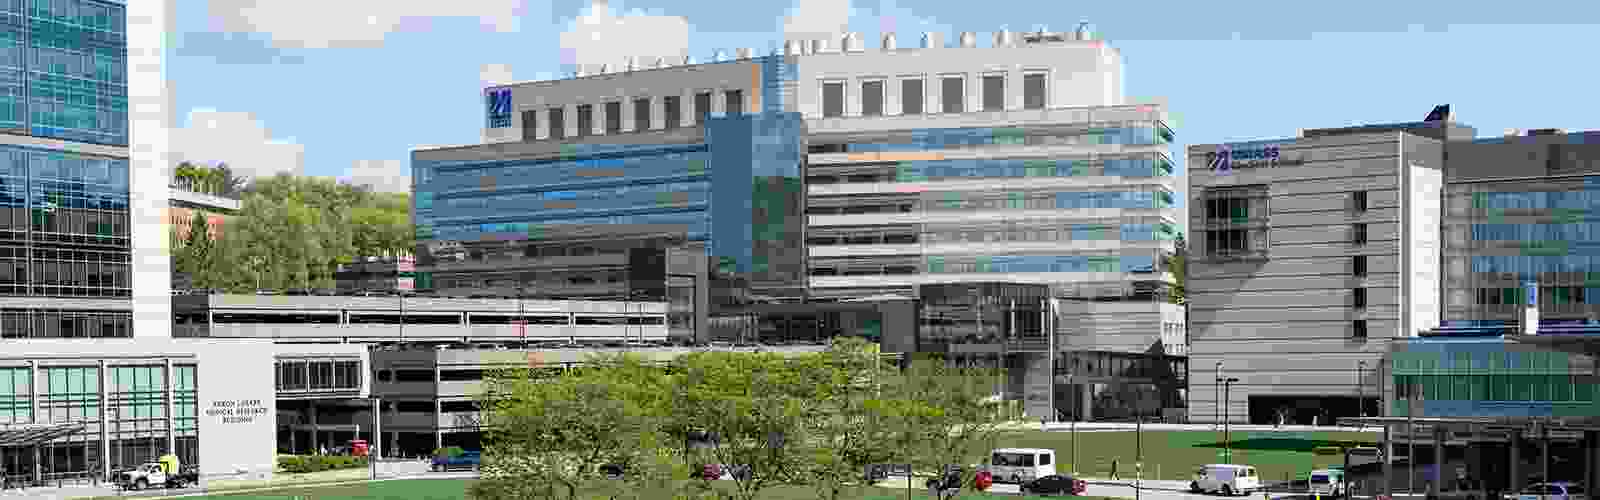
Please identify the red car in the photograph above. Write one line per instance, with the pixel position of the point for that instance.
(1055, 485)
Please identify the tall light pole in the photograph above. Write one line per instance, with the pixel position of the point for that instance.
(1227, 437)
(1216, 413)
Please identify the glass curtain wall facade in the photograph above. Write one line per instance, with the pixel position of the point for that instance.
(63, 70)
(1500, 235)
(123, 409)
(1485, 378)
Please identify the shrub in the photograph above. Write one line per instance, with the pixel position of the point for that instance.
(319, 463)
(1327, 450)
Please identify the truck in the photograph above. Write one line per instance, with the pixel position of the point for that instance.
(152, 474)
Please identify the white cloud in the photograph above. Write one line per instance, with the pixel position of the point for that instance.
(237, 138)
(352, 23)
(385, 176)
(817, 19)
(495, 74)
(601, 36)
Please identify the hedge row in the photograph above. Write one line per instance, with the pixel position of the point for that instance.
(319, 463)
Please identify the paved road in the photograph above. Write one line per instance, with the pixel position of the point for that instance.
(1152, 490)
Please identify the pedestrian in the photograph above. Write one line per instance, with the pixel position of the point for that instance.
(1114, 464)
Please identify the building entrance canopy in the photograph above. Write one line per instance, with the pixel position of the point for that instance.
(33, 435)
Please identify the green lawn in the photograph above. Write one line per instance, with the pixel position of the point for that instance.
(439, 489)
(1176, 454)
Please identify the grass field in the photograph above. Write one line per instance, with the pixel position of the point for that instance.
(1176, 454)
(439, 489)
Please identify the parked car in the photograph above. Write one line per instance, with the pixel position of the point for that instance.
(468, 459)
(1227, 479)
(1055, 484)
(1327, 482)
(1560, 490)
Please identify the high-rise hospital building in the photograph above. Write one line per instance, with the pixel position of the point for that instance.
(995, 193)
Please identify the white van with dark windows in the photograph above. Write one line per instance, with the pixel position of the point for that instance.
(1226, 479)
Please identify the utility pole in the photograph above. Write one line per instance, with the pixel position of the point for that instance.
(1361, 389)
(1227, 436)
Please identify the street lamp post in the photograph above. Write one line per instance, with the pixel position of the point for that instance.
(1216, 388)
(1227, 436)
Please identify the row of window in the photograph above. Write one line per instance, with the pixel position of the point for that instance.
(637, 195)
(106, 16)
(51, 323)
(697, 222)
(1129, 133)
(1043, 264)
(72, 394)
(1548, 295)
(1528, 266)
(1074, 232)
(957, 200)
(318, 375)
(413, 319)
(1586, 199)
(577, 174)
(71, 168)
(554, 124)
(1552, 388)
(1569, 232)
(872, 93)
(935, 170)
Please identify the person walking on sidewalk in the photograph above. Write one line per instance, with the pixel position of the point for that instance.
(1114, 463)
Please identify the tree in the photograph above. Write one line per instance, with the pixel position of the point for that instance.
(848, 424)
(752, 403)
(944, 414)
(549, 438)
(1177, 264)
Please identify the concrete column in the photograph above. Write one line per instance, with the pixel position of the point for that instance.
(105, 420)
(438, 414)
(172, 423)
(1515, 469)
(316, 444)
(1439, 475)
(35, 376)
(1591, 457)
(394, 435)
(1388, 460)
(1086, 411)
(38, 466)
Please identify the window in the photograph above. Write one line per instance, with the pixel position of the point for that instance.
(1358, 265)
(702, 106)
(558, 123)
(994, 93)
(1044, 459)
(832, 99)
(953, 94)
(1358, 298)
(1359, 235)
(530, 125)
(413, 376)
(911, 97)
(872, 98)
(585, 120)
(735, 102)
(1033, 91)
(1227, 242)
(670, 110)
(641, 114)
(1359, 329)
(1358, 201)
(613, 119)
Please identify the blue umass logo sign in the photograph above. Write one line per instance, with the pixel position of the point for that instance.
(1226, 159)
(499, 107)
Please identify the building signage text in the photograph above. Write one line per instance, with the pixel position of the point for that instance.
(239, 411)
(499, 108)
(1227, 158)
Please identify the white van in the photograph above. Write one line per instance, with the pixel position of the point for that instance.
(1227, 479)
(1020, 465)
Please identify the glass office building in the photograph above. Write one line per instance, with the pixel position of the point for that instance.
(64, 223)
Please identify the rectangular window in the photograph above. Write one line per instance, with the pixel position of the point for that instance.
(530, 125)
(702, 106)
(994, 93)
(613, 118)
(911, 97)
(641, 114)
(1359, 234)
(1358, 265)
(1359, 329)
(558, 123)
(1358, 201)
(1358, 298)
(671, 111)
(1227, 242)
(1033, 91)
(954, 94)
(832, 99)
(735, 102)
(872, 98)
(585, 120)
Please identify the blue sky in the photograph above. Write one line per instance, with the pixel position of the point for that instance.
(347, 87)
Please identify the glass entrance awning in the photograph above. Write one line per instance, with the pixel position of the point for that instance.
(36, 434)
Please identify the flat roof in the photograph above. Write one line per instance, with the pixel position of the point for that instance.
(35, 434)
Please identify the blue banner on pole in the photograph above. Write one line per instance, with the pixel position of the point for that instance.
(1532, 290)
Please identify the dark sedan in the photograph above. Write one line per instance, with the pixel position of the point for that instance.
(1055, 485)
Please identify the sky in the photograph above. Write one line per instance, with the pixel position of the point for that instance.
(347, 88)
